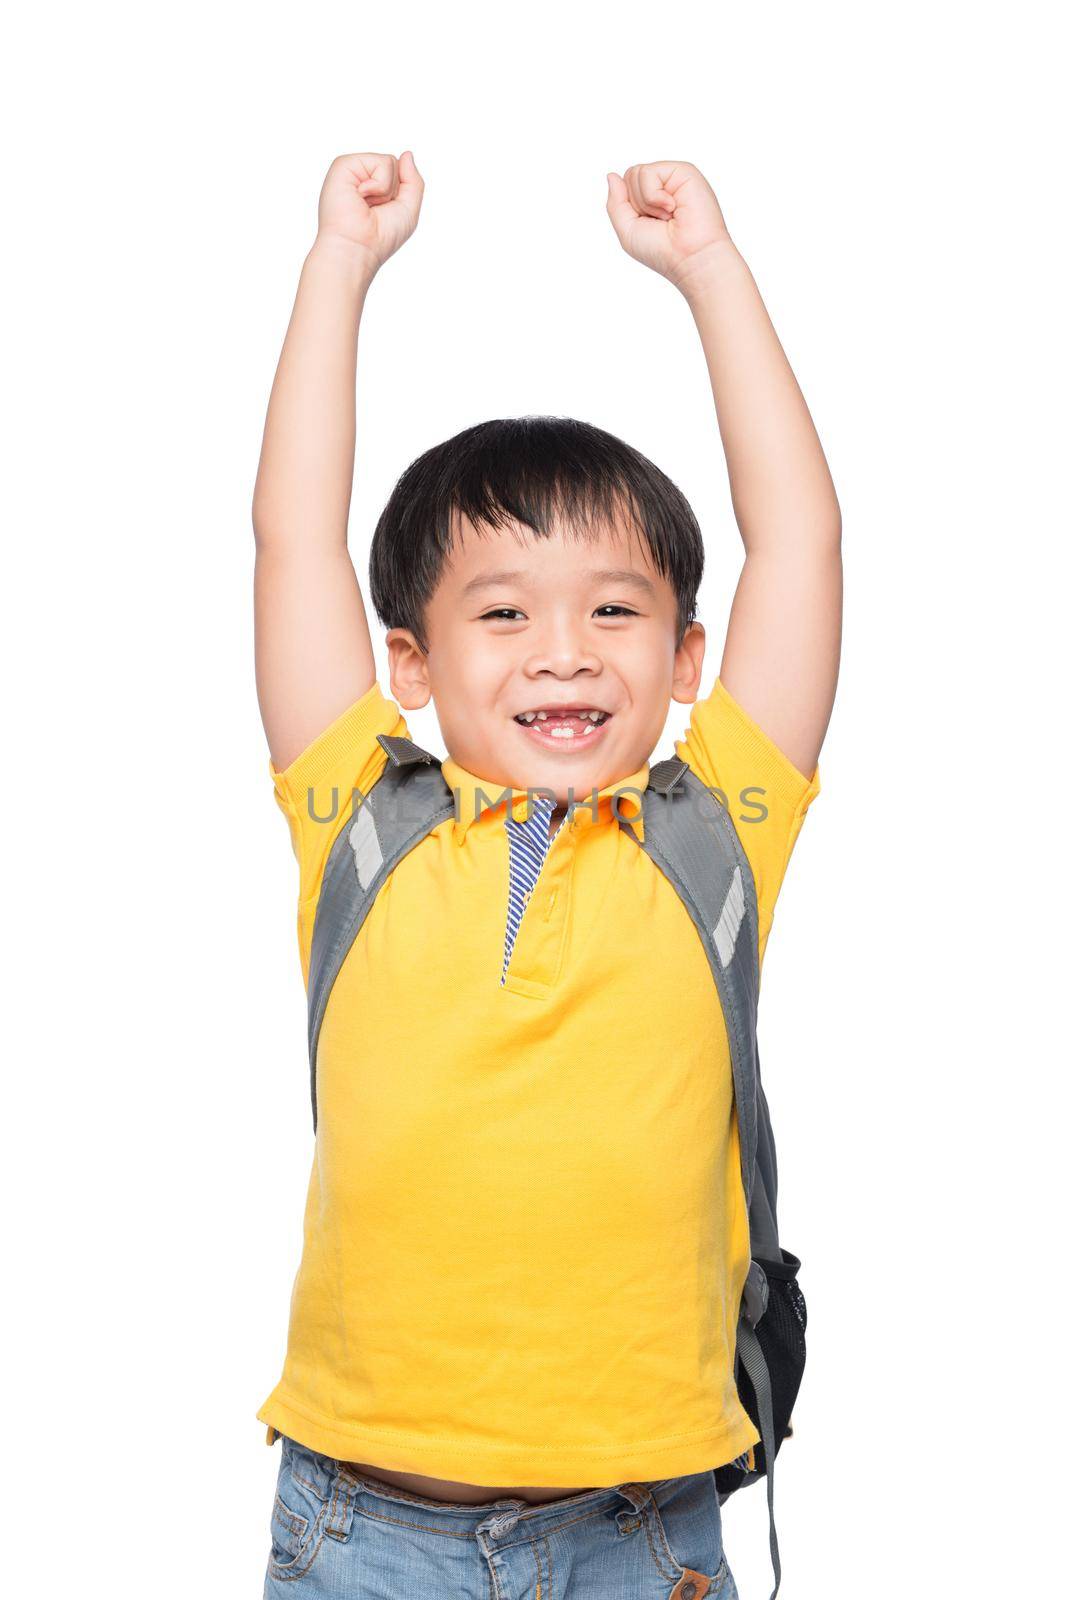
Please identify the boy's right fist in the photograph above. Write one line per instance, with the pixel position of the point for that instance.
(372, 202)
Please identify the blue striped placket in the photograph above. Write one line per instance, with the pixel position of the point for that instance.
(528, 845)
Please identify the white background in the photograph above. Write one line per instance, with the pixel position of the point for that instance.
(890, 175)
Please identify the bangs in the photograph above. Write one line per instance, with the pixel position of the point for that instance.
(545, 476)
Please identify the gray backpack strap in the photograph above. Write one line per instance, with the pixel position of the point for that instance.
(408, 801)
(752, 1358)
(690, 835)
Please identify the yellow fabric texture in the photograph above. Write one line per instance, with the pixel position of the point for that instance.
(525, 1237)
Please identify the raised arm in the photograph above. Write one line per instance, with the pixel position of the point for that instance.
(313, 647)
(780, 657)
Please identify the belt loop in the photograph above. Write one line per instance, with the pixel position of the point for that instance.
(342, 1506)
(638, 1494)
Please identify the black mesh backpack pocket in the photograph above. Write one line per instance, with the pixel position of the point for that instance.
(781, 1335)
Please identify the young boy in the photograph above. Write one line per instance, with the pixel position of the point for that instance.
(511, 1358)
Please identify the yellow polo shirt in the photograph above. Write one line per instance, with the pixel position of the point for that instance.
(525, 1237)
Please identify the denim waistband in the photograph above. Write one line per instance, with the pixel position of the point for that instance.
(497, 1519)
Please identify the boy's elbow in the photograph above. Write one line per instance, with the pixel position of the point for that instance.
(259, 514)
(820, 531)
(265, 523)
(834, 522)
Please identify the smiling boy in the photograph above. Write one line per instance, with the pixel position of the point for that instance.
(525, 1240)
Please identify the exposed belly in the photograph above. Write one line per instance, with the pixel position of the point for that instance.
(460, 1493)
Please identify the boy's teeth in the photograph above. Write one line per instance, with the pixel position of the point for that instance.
(594, 717)
(564, 724)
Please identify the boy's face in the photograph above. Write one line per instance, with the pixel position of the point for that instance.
(553, 626)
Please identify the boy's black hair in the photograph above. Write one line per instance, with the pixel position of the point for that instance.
(546, 473)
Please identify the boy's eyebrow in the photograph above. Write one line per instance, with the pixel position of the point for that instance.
(490, 580)
(623, 575)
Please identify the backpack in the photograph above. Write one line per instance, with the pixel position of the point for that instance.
(690, 836)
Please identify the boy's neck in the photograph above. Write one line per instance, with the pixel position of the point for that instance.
(559, 812)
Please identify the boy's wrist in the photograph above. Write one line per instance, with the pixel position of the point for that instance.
(353, 261)
(704, 276)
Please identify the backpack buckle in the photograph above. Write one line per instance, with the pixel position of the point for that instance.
(404, 752)
(665, 775)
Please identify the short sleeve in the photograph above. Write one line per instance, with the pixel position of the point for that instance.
(765, 793)
(316, 790)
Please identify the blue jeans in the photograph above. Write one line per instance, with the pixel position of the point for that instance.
(334, 1533)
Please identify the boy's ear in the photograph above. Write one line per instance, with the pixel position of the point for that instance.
(409, 680)
(689, 659)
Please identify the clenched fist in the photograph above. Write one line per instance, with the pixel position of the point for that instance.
(667, 217)
(371, 201)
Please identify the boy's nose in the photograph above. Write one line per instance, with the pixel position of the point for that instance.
(563, 656)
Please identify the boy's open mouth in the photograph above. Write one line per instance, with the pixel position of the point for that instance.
(564, 727)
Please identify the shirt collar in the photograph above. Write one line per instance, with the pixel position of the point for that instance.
(476, 798)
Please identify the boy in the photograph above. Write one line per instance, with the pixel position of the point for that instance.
(512, 1334)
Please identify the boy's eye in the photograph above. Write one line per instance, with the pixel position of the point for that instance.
(512, 613)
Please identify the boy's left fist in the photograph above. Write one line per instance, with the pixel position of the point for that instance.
(667, 217)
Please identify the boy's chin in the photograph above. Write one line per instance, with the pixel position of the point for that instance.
(570, 777)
